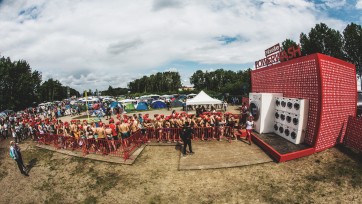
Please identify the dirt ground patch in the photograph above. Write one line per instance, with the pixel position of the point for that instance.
(332, 176)
(222, 154)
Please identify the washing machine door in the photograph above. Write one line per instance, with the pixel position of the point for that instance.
(286, 132)
(296, 106)
(282, 117)
(289, 119)
(290, 105)
(254, 110)
(277, 102)
(276, 127)
(283, 103)
(293, 135)
(281, 129)
(276, 115)
(295, 121)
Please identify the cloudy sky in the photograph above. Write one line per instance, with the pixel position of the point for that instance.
(91, 44)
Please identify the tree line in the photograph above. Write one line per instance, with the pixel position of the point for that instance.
(21, 87)
(322, 39)
(222, 81)
(161, 82)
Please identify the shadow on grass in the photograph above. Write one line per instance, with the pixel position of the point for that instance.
(31, 164)
(356, 156)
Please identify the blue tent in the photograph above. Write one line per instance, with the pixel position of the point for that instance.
(114, 104)
(142, 106)
(158, 105)
(176, 103)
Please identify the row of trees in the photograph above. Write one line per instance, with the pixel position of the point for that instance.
(322, 39)
(222, 81)
(53, 90)
(161, 82)
(115, 91)
(20, 87)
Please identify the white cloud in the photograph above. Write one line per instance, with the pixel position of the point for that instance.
(359, 4)
(93, 44)
(335, 3)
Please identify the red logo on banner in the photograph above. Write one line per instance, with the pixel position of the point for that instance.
(274, 55)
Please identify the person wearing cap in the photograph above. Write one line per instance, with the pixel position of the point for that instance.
(16, 155)
(186, 135)
(109, 133)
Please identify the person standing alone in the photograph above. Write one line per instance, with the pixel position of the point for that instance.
(186, 135)
(249, 128)
(16, 155)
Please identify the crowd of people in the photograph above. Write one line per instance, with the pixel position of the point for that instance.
(115, 129)
(30, 124)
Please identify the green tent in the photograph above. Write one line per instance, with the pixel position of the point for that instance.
(129, 107)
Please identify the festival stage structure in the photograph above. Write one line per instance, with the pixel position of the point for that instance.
(329, 86)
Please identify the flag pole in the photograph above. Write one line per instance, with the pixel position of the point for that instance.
(86, 103)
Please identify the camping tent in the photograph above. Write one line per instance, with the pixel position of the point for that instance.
(128, 101)
(142, 106)
(202, 99)
(176, 103)
(158, 105)
(115, 104)
(129, 107)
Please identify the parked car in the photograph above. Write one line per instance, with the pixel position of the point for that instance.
(359, 104)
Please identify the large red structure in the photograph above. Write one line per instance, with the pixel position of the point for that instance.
(330, 86)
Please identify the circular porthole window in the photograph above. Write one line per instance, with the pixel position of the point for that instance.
(286, 132)
(296, 106)
(293, 135)
(276, 115)
(254, 110)
(276, 127)
(290, 105)
(283, 104)
(295, 121)
(277, 103)
(281, 130)
(289, 119)
(282, 117)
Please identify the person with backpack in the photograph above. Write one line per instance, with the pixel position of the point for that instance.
(16, 155)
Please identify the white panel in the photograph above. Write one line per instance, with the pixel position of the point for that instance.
(266, 105)
(294, 118)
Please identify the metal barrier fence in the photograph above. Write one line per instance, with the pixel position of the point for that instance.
(125, 147)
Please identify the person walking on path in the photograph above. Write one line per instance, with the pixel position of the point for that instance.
(186, 136)
(16, 155)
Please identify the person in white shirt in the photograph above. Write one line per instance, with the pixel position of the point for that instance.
(249, 127)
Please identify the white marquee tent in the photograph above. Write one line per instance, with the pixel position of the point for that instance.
(202, 99)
